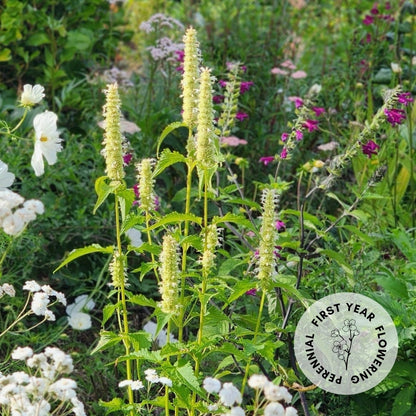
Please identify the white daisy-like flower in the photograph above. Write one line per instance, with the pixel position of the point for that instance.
(237, 411)
(81, 302)
(78, 409)
(211, 385)
(229, 395)
(34, 205)
(32, 95)
(13, 224)
(80, 321)
(125, 383)
(274, 409)
(276, 393)
(22, 353)
(136, 385)
(6, 177)
(151, 376)
(39, 304)
(291, 411)
(47, 141)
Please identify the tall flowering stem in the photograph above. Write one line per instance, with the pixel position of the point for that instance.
(266, 270)
(113, 154)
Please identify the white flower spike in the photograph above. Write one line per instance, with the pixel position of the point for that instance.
(32, 95)
(47, 141)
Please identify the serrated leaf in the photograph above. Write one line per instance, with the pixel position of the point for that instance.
(169, 129)
(186, 375)
(306, 216)
(240, 289)
(141, 300)
(107, 340)
(113, 405)
(393, 286)
(339, 258)
(234, 218)
(175, 217)
(103, 190)
(108, 312)
(79, 252)
(166, 159)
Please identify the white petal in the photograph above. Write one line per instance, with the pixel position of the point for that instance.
(37, 161)
(45, 124)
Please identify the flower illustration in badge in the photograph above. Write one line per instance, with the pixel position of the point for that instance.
(342, 345)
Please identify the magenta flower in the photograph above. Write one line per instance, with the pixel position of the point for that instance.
(374, 9)
(370, 148)
(284, 136)
(387, 6)
(318, 110)
(311, 125)
(222, 83)
(283, 154)
(368, 20)
(266, 160)
(127, 158)
(280, 226)
(136, 190)
(245, 86)
(299, 135)
(218, 99)
(240, 116)
(395, 116)
(180, 55)
(252, 292)
(298, 102)
(405, 98)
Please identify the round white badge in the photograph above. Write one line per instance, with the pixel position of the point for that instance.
(346, 343)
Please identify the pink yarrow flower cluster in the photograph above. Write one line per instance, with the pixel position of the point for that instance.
(375, 16)
(288, 68)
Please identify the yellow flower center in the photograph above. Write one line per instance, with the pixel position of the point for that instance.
(43, 139)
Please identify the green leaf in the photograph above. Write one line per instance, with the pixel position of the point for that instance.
(362, 236)
(142, 300)
(79, 252)
(5, 55)
(240, 289)
(175, 217)
(405, 244)
(140, 339)
(339, 258)
(113, 405)
(80, 40)
(393, 286)
(234, 218)
(306, 216)
(37, 39)
(103, 190)
(168, 129)
(404, 401)
(126, 198)
(107, 339)
(166, 159)
(186, 376)
(108, 312)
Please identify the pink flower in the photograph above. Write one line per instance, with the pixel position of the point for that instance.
(266, 160)
(284, 136)
(318, 110)
(240, 116)
(218, 99)
(368, 20)
(299, 74)
(232, 141)
(283, 154)
(279, 71)
(280, 225)
(245, 86)
(252, 292)
(405, 98)
(288, 64)
(222, 83)
(370, 148)
(136, 190)
(374, 9)
(127, 158)
(395, 116)
(311, 125)
(299, 135)
(180, 55)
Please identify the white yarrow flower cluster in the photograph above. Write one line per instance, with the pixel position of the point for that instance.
(152, 377)
(228, 394)
(274, 395)
(31, 95)
(77, 318)
(41, 299)
(15, 212)
(7, 289)
(42, 390)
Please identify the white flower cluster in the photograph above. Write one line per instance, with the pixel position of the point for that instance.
(7, 289)
(273, 394)
(41, 299)
(31, 95)
(229, 395)
(77, 319)
(41, 391)
(162, 337)
(160, 20)
(15, 212)
(152, 377)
